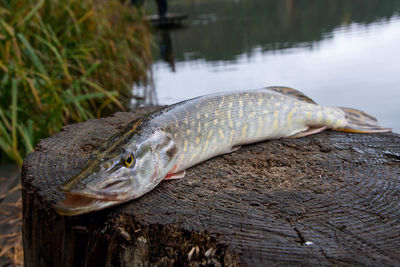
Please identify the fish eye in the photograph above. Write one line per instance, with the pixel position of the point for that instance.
(128, 161)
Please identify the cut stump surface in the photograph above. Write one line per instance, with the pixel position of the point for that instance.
(329, 198)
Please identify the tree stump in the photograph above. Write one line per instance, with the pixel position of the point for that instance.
(329, 198)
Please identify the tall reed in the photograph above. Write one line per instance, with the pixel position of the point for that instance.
(64, 61)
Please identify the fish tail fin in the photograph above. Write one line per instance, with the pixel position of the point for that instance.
(358, 121)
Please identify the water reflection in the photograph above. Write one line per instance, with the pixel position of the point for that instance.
(223, 29)
(166, 52)
(338, 52)
(144, 94)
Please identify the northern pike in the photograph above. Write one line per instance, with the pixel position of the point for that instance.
(162, 145)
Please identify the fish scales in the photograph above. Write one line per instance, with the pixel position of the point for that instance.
(164, 144)
(208, 126)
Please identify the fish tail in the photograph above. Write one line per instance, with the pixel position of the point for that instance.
(360, 122)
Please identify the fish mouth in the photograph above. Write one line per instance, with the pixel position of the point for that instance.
(76, 204)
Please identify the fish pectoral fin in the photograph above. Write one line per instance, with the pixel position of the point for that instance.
(174, 176)
(234, 148)
(309, 131)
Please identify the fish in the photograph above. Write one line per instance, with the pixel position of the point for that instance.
(163, 145)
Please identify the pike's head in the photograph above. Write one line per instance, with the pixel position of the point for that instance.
(123, 168)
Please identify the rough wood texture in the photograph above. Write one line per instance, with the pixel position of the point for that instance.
(330, 198)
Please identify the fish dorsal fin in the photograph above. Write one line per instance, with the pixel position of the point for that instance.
(291, 92)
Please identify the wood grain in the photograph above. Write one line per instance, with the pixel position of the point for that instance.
(330, 198)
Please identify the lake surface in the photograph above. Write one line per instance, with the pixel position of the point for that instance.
(339, 53)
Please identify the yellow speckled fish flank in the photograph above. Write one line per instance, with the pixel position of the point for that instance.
(164, 144)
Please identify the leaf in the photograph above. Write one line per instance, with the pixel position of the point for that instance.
(5, 120)
(7, 28)
(14, 95)
(109, 94)
(31, 53)
(27, 137)
(63, 65)
(6, 147)
(4, 132)
(91, 69)
(32, 12)
(80, 98)
(3, 67)
(35, 93)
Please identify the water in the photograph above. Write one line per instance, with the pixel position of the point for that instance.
(339, 53)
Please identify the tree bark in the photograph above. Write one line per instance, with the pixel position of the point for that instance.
(329, 198)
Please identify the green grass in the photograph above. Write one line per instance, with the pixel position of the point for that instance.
(64, 61)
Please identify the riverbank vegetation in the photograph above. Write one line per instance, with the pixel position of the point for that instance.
(65, 61)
